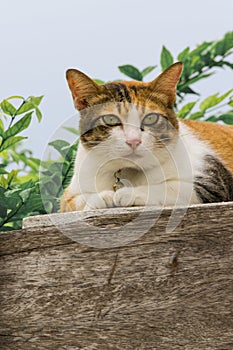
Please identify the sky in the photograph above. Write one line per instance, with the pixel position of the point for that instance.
(40, 40)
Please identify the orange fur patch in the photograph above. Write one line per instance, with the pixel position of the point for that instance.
(219, 137)
(67, 202)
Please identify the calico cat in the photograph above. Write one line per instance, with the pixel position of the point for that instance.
(133, 150)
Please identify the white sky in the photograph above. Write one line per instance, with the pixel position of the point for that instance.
(41, 39)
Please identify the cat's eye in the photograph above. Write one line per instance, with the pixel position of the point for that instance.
(111, 120)
(150, 119)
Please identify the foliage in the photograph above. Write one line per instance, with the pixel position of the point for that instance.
(199, 64)
(23, 192)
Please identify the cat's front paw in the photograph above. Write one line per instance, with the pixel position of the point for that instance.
(100, 200)
(128, 197)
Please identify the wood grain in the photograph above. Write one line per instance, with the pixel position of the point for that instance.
(161, 291)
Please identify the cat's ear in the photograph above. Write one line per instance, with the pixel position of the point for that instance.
(82, 88)
(165, 83)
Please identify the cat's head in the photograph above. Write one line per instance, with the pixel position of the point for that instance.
(126, 118)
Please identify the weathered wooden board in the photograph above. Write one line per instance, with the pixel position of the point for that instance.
(162, 291)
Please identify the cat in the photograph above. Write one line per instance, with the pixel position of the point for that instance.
(134, 151)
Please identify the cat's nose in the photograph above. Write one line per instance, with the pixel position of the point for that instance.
(133, 143)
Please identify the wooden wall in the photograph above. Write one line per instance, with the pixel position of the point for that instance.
(165, 291)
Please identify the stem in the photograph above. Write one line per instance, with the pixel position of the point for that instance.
(15, 114)
(12, 119)
(196, 74)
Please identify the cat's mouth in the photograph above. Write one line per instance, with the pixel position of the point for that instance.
(133, 155)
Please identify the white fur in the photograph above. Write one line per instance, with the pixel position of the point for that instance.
(159, 177)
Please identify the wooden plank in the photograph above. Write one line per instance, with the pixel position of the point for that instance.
(197, 218)
(161, 291)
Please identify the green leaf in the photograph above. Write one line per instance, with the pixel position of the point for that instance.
(8, 108)
(166, 58)
(206, 59)
(32, 103)
(131, 71)
(147, 70)
(230, 103)
(61, 146)
(2, 196)
(48, 207)
(15, 97)
(221, 47)
(201, 49)
(34, 203)
(197, 60)
(38, 114)
(11, 176)
(25, 107)
(2, 170)
(212, 118)
(72, 130)
(186, 109)
(13, 198)
(227, 118)
(3, 202)
(25, 194)
(36, 100)
(210, 101)
(1, 127)
(3, 212)
(3, 182)
(221, 98)
(10, 142)
(21, 125)
(195, 116)
(99, 82)
(183, 55)
(186, 90)
(33, 163)
(213, 100)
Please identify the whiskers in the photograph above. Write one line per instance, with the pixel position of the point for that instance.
(98, 147)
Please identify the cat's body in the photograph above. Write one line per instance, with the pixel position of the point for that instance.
(134, 151)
